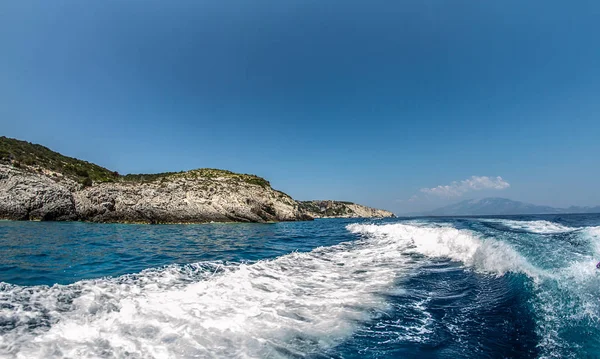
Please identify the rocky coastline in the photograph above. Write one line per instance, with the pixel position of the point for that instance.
(341, 209)
(47, 186)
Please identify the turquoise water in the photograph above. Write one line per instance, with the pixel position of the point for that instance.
(517, 287)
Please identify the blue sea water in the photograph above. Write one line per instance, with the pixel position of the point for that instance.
(490, 287)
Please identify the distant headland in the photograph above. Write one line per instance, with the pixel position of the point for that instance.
(37, 183)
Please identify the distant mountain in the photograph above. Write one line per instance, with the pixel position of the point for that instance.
(578, 209)
(502, 206)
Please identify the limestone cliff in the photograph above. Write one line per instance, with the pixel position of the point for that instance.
(26, 196)
(340, 209)
(189, 197)
(193, 196)
(37, 183)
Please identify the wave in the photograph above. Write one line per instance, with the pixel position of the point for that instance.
(294, 305)
(565, 298)
(540, 226)
(593, 235)
(485, 255)
(567, 302)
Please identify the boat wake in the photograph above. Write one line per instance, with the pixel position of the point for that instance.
(442, 241)
(539, 227)
(296, 305)
(565, 298)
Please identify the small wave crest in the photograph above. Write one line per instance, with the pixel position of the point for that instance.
(485, 255)
(539, 227)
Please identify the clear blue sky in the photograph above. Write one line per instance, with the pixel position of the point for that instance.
(368, 101)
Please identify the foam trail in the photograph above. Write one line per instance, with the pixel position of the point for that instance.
(567, 299)
(295, 305)
(564, 297)
(540, 227)
(488, 255)
(593, 235)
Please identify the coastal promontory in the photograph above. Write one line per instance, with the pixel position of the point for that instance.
(341, 209)
(39, 184)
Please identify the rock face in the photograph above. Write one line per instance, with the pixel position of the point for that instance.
(25, 196)
(187, 197)
(339, 209)
(37, 183)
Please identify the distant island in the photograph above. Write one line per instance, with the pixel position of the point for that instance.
(501, 206)
(37, 183)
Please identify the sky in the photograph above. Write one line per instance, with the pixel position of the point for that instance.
(402, 105)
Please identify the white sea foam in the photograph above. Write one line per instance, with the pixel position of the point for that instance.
(593, 235)
(297, 304)
(540, 226)
(294, 305)
(485, 255)
(568, 297)
(562, 296)
(420, 331)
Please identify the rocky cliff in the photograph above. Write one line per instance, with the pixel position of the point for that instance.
(39, 184)
(340, 209)
(189, 197)
(25, 195)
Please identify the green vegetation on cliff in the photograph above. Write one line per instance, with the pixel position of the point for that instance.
(21, 153)
(329, 208)
(201, 173)
(37, 157)
(325, 208)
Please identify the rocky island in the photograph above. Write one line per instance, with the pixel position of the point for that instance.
(39, 184)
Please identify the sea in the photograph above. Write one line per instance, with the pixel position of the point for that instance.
(478, 287)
